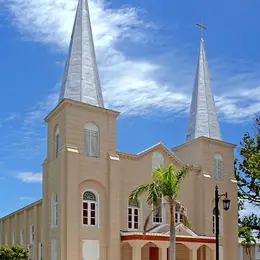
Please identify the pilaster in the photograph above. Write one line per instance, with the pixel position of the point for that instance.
(62, 205)
(36, 233)
(193, 254)
(114, 208)
(163, 252)
(45, 211)
(136, 250)
(17, 233)
(72, 201)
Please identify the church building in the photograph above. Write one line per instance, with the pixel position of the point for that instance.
(85, 214)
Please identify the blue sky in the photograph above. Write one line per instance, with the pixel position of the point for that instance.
(146, 53)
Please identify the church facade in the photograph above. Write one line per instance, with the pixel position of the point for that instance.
(85, 214)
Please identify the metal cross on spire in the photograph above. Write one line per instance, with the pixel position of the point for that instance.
(202, 28)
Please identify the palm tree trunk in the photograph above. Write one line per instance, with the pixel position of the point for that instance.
(172, 235)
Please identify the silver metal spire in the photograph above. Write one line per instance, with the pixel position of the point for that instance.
(203, 119)
(81, 80)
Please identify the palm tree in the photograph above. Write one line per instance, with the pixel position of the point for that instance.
(166, 183)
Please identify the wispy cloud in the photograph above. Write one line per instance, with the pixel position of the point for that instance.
(8, 118)
(130, 85)
(29, 177)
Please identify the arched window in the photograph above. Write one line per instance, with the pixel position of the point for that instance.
(90, 208)
(32, 234)
(157, 159)
(91, 140)
(218, 167)
(13, 237)
(54, 210)
(134, 215)
(57, 141)
(22, 237)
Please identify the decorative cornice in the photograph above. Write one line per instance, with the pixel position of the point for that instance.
(162, 237)
(203, 138)
(158, 146)
(28, 207)
(69, 102)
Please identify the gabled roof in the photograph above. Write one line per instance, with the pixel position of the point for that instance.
(157, 147)
(180, 230)
(162, 233)
(205, 139)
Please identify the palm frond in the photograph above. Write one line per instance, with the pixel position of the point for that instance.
(137, 192)
(154, 193)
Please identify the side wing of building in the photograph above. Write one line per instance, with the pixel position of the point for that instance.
(24, 227)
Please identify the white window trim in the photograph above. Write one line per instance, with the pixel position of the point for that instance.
(163, 217)
(91, 127)
(97, 209)
(13, 237)
(57, 146)
(139, 217)
(31, 251)
(32, 234)
(54, 210)
(22, 237)
(178, 219)
(221, 223)
(218, 167)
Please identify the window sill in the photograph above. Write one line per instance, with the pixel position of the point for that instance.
(134, 230)
(94, 157)
(157, 223)
(90, 226)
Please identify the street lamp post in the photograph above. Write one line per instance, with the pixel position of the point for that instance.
(226, 205)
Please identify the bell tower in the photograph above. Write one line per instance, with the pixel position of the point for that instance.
(204, 147)
(81, 177)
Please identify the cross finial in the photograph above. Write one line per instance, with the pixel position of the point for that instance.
(202, 27)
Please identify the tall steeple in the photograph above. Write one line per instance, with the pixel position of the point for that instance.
(203, 119)
(81, 80)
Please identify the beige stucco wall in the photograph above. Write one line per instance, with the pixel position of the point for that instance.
(201, 152)
(23, 219)
(112, 177)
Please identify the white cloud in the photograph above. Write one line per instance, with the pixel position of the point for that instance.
(130, 85)
(249, 209)
(29, 177)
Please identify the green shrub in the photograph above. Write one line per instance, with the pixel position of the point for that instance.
(13, 252)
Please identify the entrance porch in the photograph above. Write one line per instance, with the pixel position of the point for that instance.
(155, 246)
